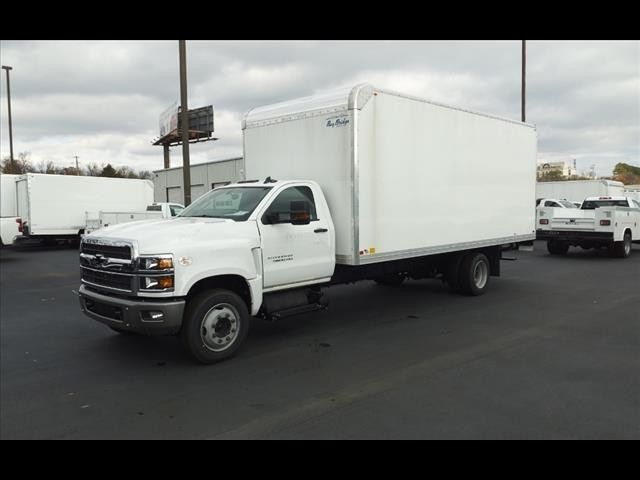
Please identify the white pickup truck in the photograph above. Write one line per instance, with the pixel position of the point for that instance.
(611, 221)
(154, 211)
(368, 174)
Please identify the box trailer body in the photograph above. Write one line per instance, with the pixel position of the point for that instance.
(57, 205)
(578, 190)
(403, 176)
(8, 195)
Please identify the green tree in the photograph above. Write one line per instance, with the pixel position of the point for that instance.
(627, 174)
(109, 171)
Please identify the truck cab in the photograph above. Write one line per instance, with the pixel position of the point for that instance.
(248, 239)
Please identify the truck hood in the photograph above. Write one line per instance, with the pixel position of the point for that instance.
(177, 234)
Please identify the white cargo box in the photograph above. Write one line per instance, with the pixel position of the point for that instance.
(578, 190)
(403, 176)
(58, 204)
(8, 195)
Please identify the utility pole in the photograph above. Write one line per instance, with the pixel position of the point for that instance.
(77, 169)
(524, 66)
(186, 167)
(167, 159)
(4, 67)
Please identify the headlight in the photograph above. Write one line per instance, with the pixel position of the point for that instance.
(156, 282)
(156, 263)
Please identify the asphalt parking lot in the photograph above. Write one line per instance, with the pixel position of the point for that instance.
(551, 351)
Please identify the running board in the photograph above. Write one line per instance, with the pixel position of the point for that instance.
(313, 307)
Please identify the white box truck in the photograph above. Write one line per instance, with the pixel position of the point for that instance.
(10, 223)
(54, 207)
(578, 190)
(357, 184)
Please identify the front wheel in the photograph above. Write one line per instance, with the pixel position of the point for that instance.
(215, 325)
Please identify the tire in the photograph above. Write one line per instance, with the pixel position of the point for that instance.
(474, 274)
(215, 325)
(622, 249)
(390, 280)
(556, 247)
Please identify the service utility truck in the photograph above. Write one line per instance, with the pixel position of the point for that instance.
(351, 185)
(578, 190)
(10, 223)
(611, 222)
(157, 210)
(54, 207)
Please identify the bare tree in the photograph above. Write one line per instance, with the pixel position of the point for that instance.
(19, 165)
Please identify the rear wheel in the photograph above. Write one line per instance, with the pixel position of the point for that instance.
(215, 325)
(474, 274)
(556, 247)
(622, 249)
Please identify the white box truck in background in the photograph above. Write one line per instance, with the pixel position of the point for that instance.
(54, 207)
(10, 223)
(578, 190)
(356, 184)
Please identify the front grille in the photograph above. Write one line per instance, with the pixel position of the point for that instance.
(110, 251)
(106, 279)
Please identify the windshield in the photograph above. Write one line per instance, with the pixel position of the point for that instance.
(567, 204)
(235, 203)
(593, 204)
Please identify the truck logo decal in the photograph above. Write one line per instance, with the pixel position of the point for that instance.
(334, 122)
(281, 258)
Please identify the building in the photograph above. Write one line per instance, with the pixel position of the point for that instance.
(168, 183)
(564, 168)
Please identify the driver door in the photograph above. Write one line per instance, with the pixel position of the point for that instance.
(296, 244)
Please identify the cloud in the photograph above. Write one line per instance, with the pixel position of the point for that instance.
(101, 100)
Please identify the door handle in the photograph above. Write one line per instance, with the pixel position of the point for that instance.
(321, 230)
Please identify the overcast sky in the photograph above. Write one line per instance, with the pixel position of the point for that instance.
(102, 100)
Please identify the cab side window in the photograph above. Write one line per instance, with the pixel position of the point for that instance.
(283, 208)
(175, 209)
(549, 203)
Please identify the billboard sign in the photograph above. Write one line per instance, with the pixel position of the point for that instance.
(169, 120)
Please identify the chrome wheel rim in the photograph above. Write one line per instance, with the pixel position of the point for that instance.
(219, 327)
(480, 274)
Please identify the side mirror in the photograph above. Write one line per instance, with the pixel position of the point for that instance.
(300, 212)
(271, 218)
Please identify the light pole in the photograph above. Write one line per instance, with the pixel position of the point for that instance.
(4, 67)
(524, 65)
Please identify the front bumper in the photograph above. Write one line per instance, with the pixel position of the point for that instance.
(134, 315)
(574, 236)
